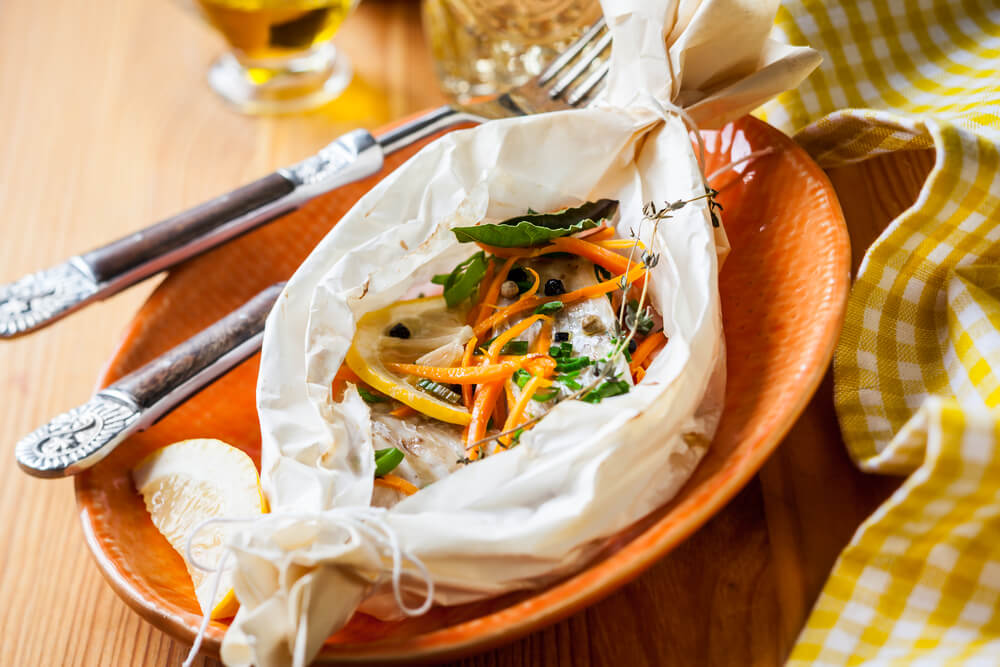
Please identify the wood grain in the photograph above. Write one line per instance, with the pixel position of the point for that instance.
(109, 125)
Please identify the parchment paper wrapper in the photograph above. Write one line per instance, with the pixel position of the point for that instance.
(540, 510)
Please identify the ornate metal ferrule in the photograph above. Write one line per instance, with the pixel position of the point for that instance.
(39, 298)
(79, 438)
(354, 155)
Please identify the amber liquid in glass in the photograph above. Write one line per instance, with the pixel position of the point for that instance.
(269, 29)
(486, 46)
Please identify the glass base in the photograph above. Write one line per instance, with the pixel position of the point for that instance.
(304, 81)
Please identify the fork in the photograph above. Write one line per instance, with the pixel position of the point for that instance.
(41, 298)
(86, 434)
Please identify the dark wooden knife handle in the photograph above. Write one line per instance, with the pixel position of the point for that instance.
(124, 255)
(201, 359)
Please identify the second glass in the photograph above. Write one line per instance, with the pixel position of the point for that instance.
(487, 46)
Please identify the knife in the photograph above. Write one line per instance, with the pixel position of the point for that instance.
(81, 437)
(48, 295)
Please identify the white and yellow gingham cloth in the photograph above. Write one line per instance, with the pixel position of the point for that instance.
(917, 370)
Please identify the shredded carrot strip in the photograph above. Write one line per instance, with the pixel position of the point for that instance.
(597, 233)
(597, 254)
(652, 343)
(534, 363)
(493, 291)
(531, 291)
(402, 411)
(500, 408)
(340, 380)
(543, 365)
(516, 253)
(478, 307)
(456, 375)
(609, 259)
(640, 373)
(397, 483)
(482, 408)
(509, 391)
(510, 334)
(487, 280)
(544, 339)
(622, 244)
(614, 283)
(470, 347)
(487, 394)
(522, 403)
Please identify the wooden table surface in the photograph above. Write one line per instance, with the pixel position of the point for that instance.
(108, 125)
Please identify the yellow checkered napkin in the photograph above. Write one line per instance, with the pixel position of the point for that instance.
(917, 370)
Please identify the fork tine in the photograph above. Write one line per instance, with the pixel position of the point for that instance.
(579, 68)
(572, 52)
(582, 92)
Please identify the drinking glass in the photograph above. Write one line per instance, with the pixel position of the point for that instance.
(487, 46)
(280, 58)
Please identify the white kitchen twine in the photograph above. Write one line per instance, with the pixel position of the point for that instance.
(360, 523)
(665, 108)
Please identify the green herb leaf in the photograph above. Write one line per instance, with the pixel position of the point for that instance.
(521, 377)
(563, 349)
(485, 345)
(369, 397)
(534, 229)
(614, 343)
(569, 379)
(515, 347)
(439, 390)
(441, 279)
(386, 460)
(545, 394)
(463, 281)
(606, 390)
(642, 322)
(573, 364)
(549, 308)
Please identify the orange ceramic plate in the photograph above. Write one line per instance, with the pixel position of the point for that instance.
(783, 292)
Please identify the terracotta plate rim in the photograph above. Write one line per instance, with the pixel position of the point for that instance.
(663, 535)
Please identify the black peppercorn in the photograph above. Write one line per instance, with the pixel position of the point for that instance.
(399, 330)
(554, 287)
(517, 274)
(632, 346)
(561, 336)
